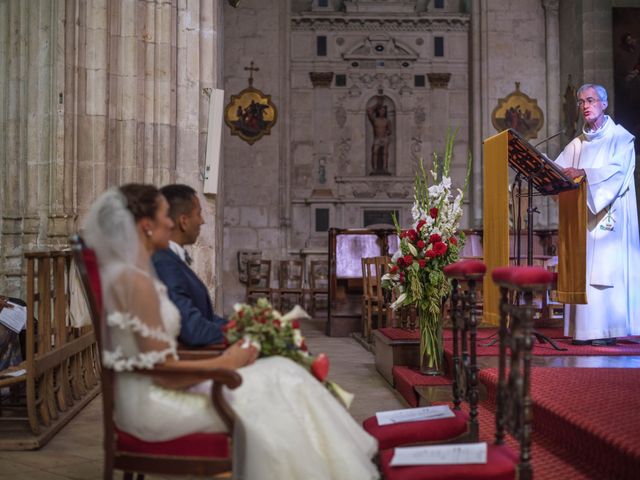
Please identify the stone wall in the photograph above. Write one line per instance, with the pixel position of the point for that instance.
(98, 93)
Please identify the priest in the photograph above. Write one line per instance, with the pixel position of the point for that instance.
(604, 154)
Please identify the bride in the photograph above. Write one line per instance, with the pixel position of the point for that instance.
(289, 426)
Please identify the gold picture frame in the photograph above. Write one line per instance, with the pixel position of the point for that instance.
(250, 115)
(519, 112)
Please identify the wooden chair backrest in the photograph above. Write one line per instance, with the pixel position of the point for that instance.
(319, 275)
(258, 274)
(373, 268)
(513, 405)
(290, 274)
(89, 272)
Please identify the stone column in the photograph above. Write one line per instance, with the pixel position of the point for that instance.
(322, 119)
(554, 100)
(476, 112)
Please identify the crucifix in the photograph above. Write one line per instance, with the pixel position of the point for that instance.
(251, 69)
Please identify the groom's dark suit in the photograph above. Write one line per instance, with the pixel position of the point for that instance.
(199, 325)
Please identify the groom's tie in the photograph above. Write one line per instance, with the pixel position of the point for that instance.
(187, 258)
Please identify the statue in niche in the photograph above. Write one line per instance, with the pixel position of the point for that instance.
(378, 116)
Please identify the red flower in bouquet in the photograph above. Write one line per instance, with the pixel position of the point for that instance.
(420, 244)
(433, 212)
(320, 367)
(431, 254)
(435, 238)
(422, 262)
(453, 241)
(440, 248)
(408, 259)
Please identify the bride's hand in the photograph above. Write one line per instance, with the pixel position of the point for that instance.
(241, 356)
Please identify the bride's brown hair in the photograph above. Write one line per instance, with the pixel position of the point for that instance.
(142, 199)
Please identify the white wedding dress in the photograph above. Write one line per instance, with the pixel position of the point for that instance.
(288, 425)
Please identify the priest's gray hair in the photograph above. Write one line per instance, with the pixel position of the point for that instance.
(600, 90)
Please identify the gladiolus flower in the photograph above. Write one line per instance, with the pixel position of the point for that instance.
(440, 248)
(435, 238)
(433, 212)
(320, 367)
(420, 244)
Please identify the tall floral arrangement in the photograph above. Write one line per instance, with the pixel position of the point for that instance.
(416, 273)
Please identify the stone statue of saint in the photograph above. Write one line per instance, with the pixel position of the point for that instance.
(381, 124)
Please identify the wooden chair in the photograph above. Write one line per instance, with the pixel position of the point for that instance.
(318, 284)
(258, 280)
(196, 454)
(289, 291)
(463, 427)
(374, 299)
(513, 400)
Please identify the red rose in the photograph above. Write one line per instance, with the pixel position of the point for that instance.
(440, 248)
(393, 269)
(413, 235)
(433, 212)
(435, 238)
(262, 320)
(240, 313)
(420, 244)
(408, 259)
(320, 367)
(303, 346)
(276, 322)
(420, 224)
(401, 277)
(453, 241)
(422, 262)
(400, 262)
(229, 325)
(295, 323)
(431, 253)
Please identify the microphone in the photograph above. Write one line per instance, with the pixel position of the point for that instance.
(549, 138)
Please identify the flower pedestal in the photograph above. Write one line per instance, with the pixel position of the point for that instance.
(431, 342)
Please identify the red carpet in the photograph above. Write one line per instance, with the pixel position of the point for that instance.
(586, 415)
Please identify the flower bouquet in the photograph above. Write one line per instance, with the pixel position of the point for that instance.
(416, 273)
(275, 334)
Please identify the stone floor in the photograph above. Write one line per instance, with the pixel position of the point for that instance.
(76, 452)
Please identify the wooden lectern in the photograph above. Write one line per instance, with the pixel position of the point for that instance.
(508, 149)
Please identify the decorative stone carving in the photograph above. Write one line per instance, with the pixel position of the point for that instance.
(343, 147)
(379, 47)
(341, 116)
(439, 80)
(416, 147)
(321, 79)
(419, 115)
(457, 22)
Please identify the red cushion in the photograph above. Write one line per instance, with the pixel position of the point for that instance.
(501, 465)
(93, 271)
(407, 433)
(525, 278)
(466, 269)
(210, 445)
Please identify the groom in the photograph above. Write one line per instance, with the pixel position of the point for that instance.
(199, 325)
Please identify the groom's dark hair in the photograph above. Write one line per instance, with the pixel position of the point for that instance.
(180, 198)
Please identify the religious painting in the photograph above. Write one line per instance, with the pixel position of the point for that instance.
(250, 115)
(569, 109)
(519, 112)
(626, 69)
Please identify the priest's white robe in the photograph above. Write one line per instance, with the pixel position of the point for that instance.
(613, 241)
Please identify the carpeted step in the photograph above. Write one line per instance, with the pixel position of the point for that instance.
(586, 413)
(405, 379)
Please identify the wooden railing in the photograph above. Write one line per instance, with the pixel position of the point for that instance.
(61, 369)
